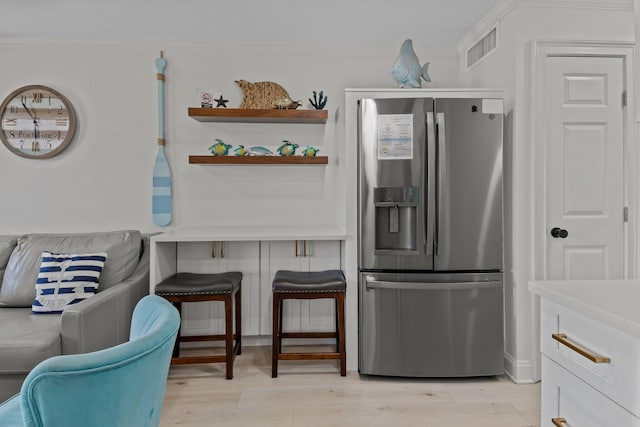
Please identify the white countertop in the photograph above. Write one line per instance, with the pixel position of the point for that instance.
(250, 233)
(613, 302)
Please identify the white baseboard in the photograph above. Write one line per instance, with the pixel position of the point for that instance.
(262, 340)
(519, 371)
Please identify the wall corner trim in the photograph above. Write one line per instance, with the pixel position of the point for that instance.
(519, 371)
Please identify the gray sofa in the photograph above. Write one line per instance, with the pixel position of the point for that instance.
(98, 322)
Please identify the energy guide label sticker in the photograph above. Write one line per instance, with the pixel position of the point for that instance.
(395, 136)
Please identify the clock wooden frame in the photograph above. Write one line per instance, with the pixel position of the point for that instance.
(36, 122)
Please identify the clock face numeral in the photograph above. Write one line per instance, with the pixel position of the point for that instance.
(10, 122)
(61, 122)
(50, 135)
(22, 134)
(13, 109)
(36, 97)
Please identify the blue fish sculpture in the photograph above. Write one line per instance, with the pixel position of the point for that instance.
(260, 151)
(407, 70)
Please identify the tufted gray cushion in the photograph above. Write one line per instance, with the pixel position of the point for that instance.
(18, 284)
(313, 281)
(199, 284)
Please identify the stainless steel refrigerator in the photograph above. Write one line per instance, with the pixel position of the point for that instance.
(430, 237)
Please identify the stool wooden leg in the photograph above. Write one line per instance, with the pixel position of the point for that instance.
(228, 321)
(239, 320)
(275, 350)
(281, 322)
(337, 322)
(341, 335)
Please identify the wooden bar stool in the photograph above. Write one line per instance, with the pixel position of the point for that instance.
(308, 285)
(191, 287)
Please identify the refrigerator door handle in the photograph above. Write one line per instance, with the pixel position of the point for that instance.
(430, 200)
(442, 175)
(382, 284)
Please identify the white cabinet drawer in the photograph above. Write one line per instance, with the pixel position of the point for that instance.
(619, 378)
(565, 396)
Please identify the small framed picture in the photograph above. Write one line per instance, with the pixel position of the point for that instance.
(206, 98)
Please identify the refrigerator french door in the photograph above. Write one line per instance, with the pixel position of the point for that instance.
(430, 237)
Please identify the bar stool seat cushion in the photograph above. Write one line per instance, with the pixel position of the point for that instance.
(314, 281)
(199, 284)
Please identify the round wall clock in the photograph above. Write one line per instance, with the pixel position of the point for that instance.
(36, 122)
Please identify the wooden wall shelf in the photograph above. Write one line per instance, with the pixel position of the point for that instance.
(258, 160)
(245, 115)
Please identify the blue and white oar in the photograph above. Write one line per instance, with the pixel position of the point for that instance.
(161, 203)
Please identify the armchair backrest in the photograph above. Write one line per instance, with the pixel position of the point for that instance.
(119, 386)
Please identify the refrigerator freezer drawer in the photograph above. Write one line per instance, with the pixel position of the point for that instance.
(431, 325)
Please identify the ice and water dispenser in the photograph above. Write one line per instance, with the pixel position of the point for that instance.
(396, 210)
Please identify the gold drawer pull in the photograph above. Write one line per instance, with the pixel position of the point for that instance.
(559, 422)
(562, 339)
(213, 249)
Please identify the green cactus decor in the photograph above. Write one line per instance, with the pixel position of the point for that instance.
(319, 100)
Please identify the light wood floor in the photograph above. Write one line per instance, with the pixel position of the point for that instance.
(312, 393)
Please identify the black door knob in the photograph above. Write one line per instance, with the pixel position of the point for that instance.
(559, 233)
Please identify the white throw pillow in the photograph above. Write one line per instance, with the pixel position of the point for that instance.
(66, 279)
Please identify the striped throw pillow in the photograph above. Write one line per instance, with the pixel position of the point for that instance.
(66, 279)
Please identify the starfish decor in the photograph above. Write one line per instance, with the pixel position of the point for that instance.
(221, 102)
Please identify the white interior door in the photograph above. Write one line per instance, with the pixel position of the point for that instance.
(584, 192)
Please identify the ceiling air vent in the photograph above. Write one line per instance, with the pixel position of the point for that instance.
(481, 49)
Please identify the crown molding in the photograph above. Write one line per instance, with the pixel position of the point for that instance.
(582, 4)
(278, 49)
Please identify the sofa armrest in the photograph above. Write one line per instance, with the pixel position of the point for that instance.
(104, 319)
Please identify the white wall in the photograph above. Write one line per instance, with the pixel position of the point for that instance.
(509, 67)
(102, 180)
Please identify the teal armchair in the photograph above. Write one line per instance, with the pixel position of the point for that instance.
(119, 386)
